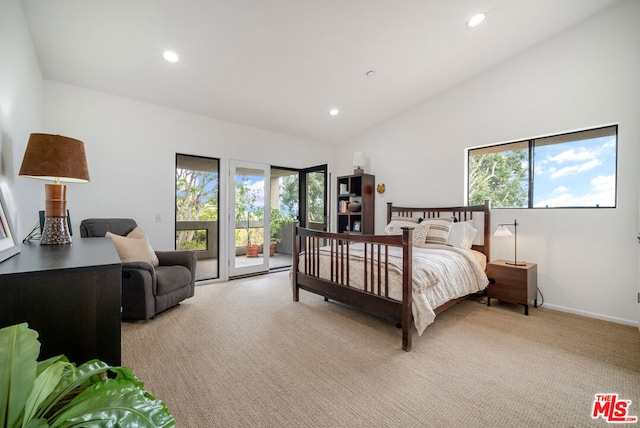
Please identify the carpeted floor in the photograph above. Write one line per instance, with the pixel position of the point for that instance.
(243, 354)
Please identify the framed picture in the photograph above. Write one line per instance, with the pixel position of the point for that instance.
(9, 245)
(356, 226)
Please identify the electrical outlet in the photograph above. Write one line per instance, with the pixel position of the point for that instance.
(158, 218)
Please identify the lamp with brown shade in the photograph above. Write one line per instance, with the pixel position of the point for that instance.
(59, 159)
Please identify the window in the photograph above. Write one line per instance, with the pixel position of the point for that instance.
(576, 169)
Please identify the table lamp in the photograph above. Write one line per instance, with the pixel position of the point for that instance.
(59, 159)
(503, 231)
(359, 161)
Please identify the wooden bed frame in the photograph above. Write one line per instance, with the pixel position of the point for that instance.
(373, 298)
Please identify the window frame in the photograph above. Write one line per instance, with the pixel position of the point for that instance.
(562, 138)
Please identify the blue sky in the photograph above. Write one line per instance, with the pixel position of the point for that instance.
(576, 174)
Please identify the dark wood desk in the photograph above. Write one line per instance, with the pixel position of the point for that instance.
(69, 294)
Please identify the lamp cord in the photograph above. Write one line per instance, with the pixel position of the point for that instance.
(34, 234)
(541, 298)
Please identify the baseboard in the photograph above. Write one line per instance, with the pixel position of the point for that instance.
(616, 320)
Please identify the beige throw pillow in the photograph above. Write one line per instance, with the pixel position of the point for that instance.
(438, 230)
(134, 247)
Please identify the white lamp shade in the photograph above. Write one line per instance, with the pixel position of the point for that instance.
(359, 160)
(502, 231)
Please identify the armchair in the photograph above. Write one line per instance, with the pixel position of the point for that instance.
(147, 290)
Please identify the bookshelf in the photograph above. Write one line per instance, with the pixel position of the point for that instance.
(360, 189)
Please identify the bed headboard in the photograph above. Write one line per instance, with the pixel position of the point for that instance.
(464, 213)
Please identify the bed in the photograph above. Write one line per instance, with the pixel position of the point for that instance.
(428, 260)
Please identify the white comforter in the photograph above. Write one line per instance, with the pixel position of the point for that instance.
(440, 273)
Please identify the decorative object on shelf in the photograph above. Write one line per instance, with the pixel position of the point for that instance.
(503, 231)
(9, 245)
(359, 160)
(356, 226)
(354, 206)
(343, 189)
(60, 159)
(380, 188)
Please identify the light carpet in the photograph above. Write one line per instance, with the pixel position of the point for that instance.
(243, 354)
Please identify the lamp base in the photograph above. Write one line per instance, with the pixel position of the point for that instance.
(514, 263)
(358, 171)
(55, 231)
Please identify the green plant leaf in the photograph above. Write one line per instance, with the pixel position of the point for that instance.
(19, 349)
(37, 423)
(71, 379)
(42, 365)
(115, 402)
(43, 386)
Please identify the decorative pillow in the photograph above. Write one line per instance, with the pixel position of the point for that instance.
(438, 232)
(420, 233)
(134, 249)
(395, 226)
(137, 233)
(462, 234)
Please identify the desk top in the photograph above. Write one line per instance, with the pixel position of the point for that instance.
(81, 253)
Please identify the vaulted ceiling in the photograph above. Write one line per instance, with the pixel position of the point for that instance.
(281, 65)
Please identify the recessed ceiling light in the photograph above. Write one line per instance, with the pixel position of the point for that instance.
(334, 112)
(476, 20)
(170, 56)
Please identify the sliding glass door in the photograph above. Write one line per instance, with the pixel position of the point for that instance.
(197, 209)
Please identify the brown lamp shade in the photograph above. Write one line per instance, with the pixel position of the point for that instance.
(56, 158)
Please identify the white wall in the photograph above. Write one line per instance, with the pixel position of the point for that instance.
(584, 77)
(20, 111)
(131, 149)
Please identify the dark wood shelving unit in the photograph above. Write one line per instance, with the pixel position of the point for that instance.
(356, 188)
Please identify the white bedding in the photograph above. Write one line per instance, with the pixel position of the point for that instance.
(440, 273)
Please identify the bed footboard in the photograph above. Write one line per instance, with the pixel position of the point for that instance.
(326, 264)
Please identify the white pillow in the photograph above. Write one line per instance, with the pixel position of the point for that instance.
(438, 232)
(462, 234)
(395, 226)
(134, 249)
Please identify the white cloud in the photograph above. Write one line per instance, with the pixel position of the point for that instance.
(602, 193)
(576, 169)
(604, 183)
(573, 155)
(560, 190)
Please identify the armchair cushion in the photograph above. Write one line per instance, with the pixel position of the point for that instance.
(171, 278)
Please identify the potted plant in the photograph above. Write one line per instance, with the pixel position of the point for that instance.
(252, 250)
(277, 221)
(245, 212)
(56, 393)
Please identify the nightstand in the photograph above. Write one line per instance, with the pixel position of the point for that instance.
(514, 284)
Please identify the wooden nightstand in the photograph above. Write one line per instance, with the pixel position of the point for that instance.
(514, 284)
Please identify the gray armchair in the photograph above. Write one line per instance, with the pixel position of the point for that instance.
(147, 291)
